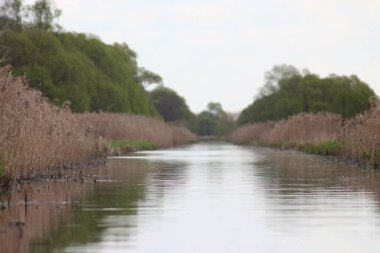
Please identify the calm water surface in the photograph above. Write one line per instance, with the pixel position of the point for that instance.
(217, 197)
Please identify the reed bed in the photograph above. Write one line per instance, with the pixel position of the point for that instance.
(37, 137)
(299, 129)
(356, 139)
(251, 133)
(302, 129)
(360, 137)
(117, 126)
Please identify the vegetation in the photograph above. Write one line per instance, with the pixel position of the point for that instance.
(37, 137)
(213, 122)
(330, 147)
(287, 92)
(170, 105)
(356, 139)
(117, 126)
(72, 67)
(126, 146)
(76, 72)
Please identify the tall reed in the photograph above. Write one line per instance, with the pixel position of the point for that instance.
(361, 137)
(251, 133)
(117, 126)
(304, 128)
(356, 139)
(36, 136)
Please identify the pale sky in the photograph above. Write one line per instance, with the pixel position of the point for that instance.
(219, 50)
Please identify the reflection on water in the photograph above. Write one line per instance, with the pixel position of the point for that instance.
(207, 197)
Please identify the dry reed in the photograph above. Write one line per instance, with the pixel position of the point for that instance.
(299, 129)
(361, 137)
(251, 133)
(357, 139)
(36, 136)
(116, 126)
(302, 129)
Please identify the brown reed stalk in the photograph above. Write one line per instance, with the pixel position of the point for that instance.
(361, 138)
(36, 136)
(302, 129)
(358, 138)
(117, 126)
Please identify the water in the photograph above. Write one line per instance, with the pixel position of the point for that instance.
(206, 197)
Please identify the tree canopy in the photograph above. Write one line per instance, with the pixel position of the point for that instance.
(213, 121)
(76, 67)
(170, 105)
(287, 91)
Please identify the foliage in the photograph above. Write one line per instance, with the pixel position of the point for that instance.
(93, 76)
(288, 92)
(356, 139)
(44, 14)
(125, 146)
(14, 9)
(148, 78)
(78, 68)
(330, 147)
(213, 121)
(170, 105)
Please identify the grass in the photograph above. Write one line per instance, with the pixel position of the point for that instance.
(126, 146)
(330, 147)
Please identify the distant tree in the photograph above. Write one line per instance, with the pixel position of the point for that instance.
(169, 104)
(4, 50)
(273, 77)
(206, 124)
(148, 78)
(290, 92)
(216, 109)
(44, 14)
(213, 121)
(13, 10)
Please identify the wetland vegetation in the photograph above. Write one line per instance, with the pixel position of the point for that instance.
(73, 109)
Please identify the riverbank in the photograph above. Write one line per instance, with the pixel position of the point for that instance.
(39, 140)
(354, 140)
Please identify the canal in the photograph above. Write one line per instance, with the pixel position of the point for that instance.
(204, 197)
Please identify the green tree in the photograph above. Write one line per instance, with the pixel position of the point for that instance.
(169, 104)
(13, 11)
(44, 14)
(206, 124)
(148, 78)
(273, 77)
(80, 68)
(213, 121)
(287, 92)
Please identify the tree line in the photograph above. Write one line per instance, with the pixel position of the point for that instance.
(213, 121)
(288, 91)
(74, 67)
(95, 77)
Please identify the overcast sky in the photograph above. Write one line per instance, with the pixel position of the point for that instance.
(219, 50)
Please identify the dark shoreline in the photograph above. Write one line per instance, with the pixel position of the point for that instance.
(79, 172)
